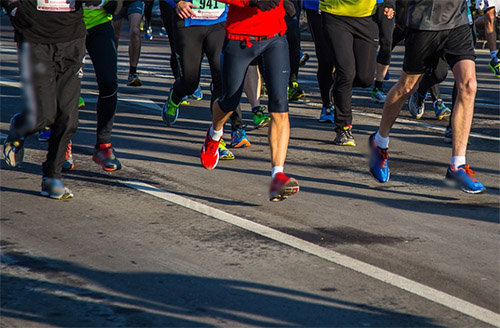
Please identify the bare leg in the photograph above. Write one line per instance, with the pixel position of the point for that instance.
(463, 109)
(117, 25)
(219, 118)
(134, 50)
(381, 72)
(395, 100)
(489, 29)
(279, 135)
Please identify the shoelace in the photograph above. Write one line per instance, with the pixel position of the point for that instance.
(68, 155)
(384, 155)
(470, 172)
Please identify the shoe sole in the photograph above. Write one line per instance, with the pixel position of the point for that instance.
(107, 169)
(241, 144)
(262, 124)
(289, 189)
(453, 184)
(67, 195)
(10, 159)
(349, 143)
(377, 101)
(297, 98)
(134, 83)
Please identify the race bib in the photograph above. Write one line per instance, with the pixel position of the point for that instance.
(56, 5)
(208, 9)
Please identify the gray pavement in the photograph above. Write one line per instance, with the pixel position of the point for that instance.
(118, 256)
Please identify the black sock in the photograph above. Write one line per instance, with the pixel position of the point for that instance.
(132, 70)
(378, 85)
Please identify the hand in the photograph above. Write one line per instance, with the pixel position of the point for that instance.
(289, 8)
(264, 5)
(19, 18)
(183, 9)
(389, 13)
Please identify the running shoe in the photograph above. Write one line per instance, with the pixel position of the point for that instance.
(224, 153)
(282, 186)
(495, 67)
(198, 94)
(379, 161)
(260, 119)
(54, 188)
(44, 135)
(239, 139)
(209, 152)
(416, 105)
(149, 34)
(378, 96)
(327, 114)
(463, 178)
(81, 102)
(133, 80)
(441, 109)
(185, 101)
(104, 155)
(263, 89)
(13, 151)
(163, 32)
(304, 57)
(344, 137)
(295, 92)
(68, 164)
(170, 111)
(13, 148)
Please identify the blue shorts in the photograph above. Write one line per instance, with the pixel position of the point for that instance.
(236, 57)
(136, 7)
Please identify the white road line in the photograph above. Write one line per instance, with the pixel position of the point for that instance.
(408, 285)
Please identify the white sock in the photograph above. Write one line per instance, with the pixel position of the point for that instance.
(380, 141)
(276, 169)
(215, 134)
(493, 55)
(456, 161)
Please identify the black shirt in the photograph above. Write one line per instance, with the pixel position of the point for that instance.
(436, 15)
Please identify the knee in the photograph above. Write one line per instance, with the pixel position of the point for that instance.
(135, 32)
(467, 88)
(108, 88)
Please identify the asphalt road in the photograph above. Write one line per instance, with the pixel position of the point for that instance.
(164, 242)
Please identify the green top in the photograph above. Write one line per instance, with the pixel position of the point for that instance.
(96, 15)
(350, 8)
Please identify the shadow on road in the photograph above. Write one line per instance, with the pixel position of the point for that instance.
(66, 294)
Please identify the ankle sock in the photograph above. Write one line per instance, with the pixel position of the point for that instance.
(276, 169)
(215, 134)
(380, 141)
(456, 161)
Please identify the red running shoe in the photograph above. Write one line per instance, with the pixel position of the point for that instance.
(105, 156)
(282, 187)
(210, 153)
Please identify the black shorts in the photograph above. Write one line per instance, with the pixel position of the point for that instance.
(424, 48)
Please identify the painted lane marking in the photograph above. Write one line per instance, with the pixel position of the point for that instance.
(369, 270)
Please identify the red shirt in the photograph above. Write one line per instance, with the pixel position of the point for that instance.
(243, 20)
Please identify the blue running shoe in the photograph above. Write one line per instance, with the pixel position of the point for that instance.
(185, 101)
(464, 179)
(239, 139)
(441, 109)
(379, 161)
(44, 135)
(327, 114)
(198, 94)
(54, 188)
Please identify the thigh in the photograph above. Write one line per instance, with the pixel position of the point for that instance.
(340, 40)
(101, 46)
(423, 50)
(276, 71)
(459, 45)
(235, 58)
(189, 47)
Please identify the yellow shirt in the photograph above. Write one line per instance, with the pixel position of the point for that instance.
(350, 8)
